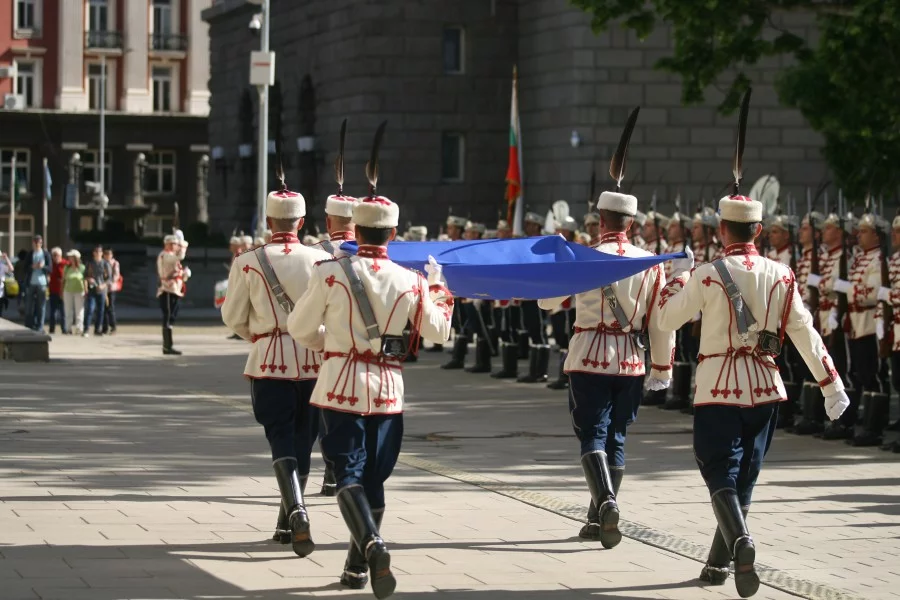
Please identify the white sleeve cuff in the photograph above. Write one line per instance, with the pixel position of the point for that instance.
(813, 280)
(842, 286)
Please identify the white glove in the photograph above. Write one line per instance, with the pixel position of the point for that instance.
(832, 320)
(179, 234)
(842, 287)
(836, 404)
(884, 294)
(656, 385)
(813, 280)
(879, 329)
(435, 271)
(186, 273)
(680, 266)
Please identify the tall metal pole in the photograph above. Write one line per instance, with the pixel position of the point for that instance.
(44, 197)
(12, 208)
(102, 215)
(263, 143)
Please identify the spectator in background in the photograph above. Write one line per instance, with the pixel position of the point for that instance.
(57, 303)
(6, 270)
(115, 286)
(20, 267)
(246, 243)
(98, 275)
(74, 289)
(37, 277)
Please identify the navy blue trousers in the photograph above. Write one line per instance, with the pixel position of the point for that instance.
(730, 443)
(282, 407)
(362, 450)
(602, 408)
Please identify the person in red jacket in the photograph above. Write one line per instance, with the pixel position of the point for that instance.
(57, 308)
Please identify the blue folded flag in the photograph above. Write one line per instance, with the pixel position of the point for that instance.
(521, 268)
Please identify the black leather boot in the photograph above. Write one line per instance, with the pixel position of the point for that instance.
(654, 398)
(282, 527)
(329, 485)
(845, 427)
(364, 531)
(435, 348)
(494, 336)
(617, 475)
(787, 410)
(460, 349)
(523, 343)
(681, 387)
(737, 539)
(168, 344)
(562, 380)
(292, 499)
(588, 531)
(509, 355)
(596, 473)
(876, 407)
(811, 418)
(482, 357)
(715, 571)
(537, 365)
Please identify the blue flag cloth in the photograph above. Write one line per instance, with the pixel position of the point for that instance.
(523, 268)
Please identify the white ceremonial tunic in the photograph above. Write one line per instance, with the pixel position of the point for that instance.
(170, 273)
(673, 249)
(894, 271)
(252, 311)
(804, 266)
(865, 277)
(781, 255)
(355, 376)
(731, 371)
(599, 345)
(333, 244)
(829, 268)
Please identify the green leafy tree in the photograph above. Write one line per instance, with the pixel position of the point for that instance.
(847, 87)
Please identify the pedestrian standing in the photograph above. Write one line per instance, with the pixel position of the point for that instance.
(37, 277)
(6, 271)
(364, 303)
(57, 303)
(115, 286)
(98, 275)
(606, 360)
(74, 288)
(753, 302)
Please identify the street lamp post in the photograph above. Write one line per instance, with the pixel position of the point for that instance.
(102, 214)
(262, 75)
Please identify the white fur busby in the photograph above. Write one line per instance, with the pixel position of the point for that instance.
(814, 219)
(875, 222)
(639, 218)
(476, 227)
(568, 224)
(234, 241)
(376, 211)
(502, 225)
(247, 240)
(534, 218)
(340, 206)
(785, 222)
(658, 218)
(417, 233)
(453, 221)
(740, 209)
(618, 202)
(591, 218)
(170, 239)
(285, 204)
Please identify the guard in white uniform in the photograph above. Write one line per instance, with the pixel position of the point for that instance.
(262, 286)
(637, 240)
(890, 327)
(172, 277)
(685, 359)
(606, 359)
(364, 302)
(753, 301)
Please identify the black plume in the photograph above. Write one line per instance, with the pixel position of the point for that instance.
(372, 165)
(617, 164)
(737, 168)
(339, 161)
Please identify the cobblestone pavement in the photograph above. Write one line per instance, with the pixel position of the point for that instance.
(125, 474)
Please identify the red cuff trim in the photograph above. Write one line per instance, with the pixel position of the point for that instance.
(660, 367)
(826, 382)
(436, 287)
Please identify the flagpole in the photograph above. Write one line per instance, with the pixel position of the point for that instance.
(45, 200)
(518, 215)
(12, 208)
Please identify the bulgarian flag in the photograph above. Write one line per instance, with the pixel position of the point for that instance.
(514, 211)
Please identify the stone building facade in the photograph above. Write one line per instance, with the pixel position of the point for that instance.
(440, 73)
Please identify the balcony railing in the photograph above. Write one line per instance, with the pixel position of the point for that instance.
(168, 42)
(103, 40)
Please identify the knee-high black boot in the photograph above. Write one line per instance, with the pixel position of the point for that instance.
(509, 354)
(283, 526)
(562, 380)
(294, 507)
(715, 571)
(356, 569)
(737, 539)
(600, 483)
(811, 410)
(876, 411)
(539, 362)
(482, 357)
(364, 530)
(523, 343)
(458, 359)
(329, 485)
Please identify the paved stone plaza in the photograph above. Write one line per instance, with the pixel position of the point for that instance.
(126, 475)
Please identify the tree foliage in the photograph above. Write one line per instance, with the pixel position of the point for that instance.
(847, 87)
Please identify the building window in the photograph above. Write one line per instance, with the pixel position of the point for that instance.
(90, 168)
(162, 17)
(95, 77)
(156, 225)
(27, 17)
(454, 56)
(22, 169)
(28, 82)
(159, 176)
(98, 15)
(162, 89)
(453, 156)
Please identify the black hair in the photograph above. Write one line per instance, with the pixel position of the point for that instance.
(740, 233)
(616, 221)
(373, 236)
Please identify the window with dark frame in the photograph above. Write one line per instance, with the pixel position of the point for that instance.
(95, 75)
(162, 89)
(98, 15)
(26, 17)
(23, 168)
(453, 152)
(25, 82)
(90, 168)
(159, 176)
(453, 50)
